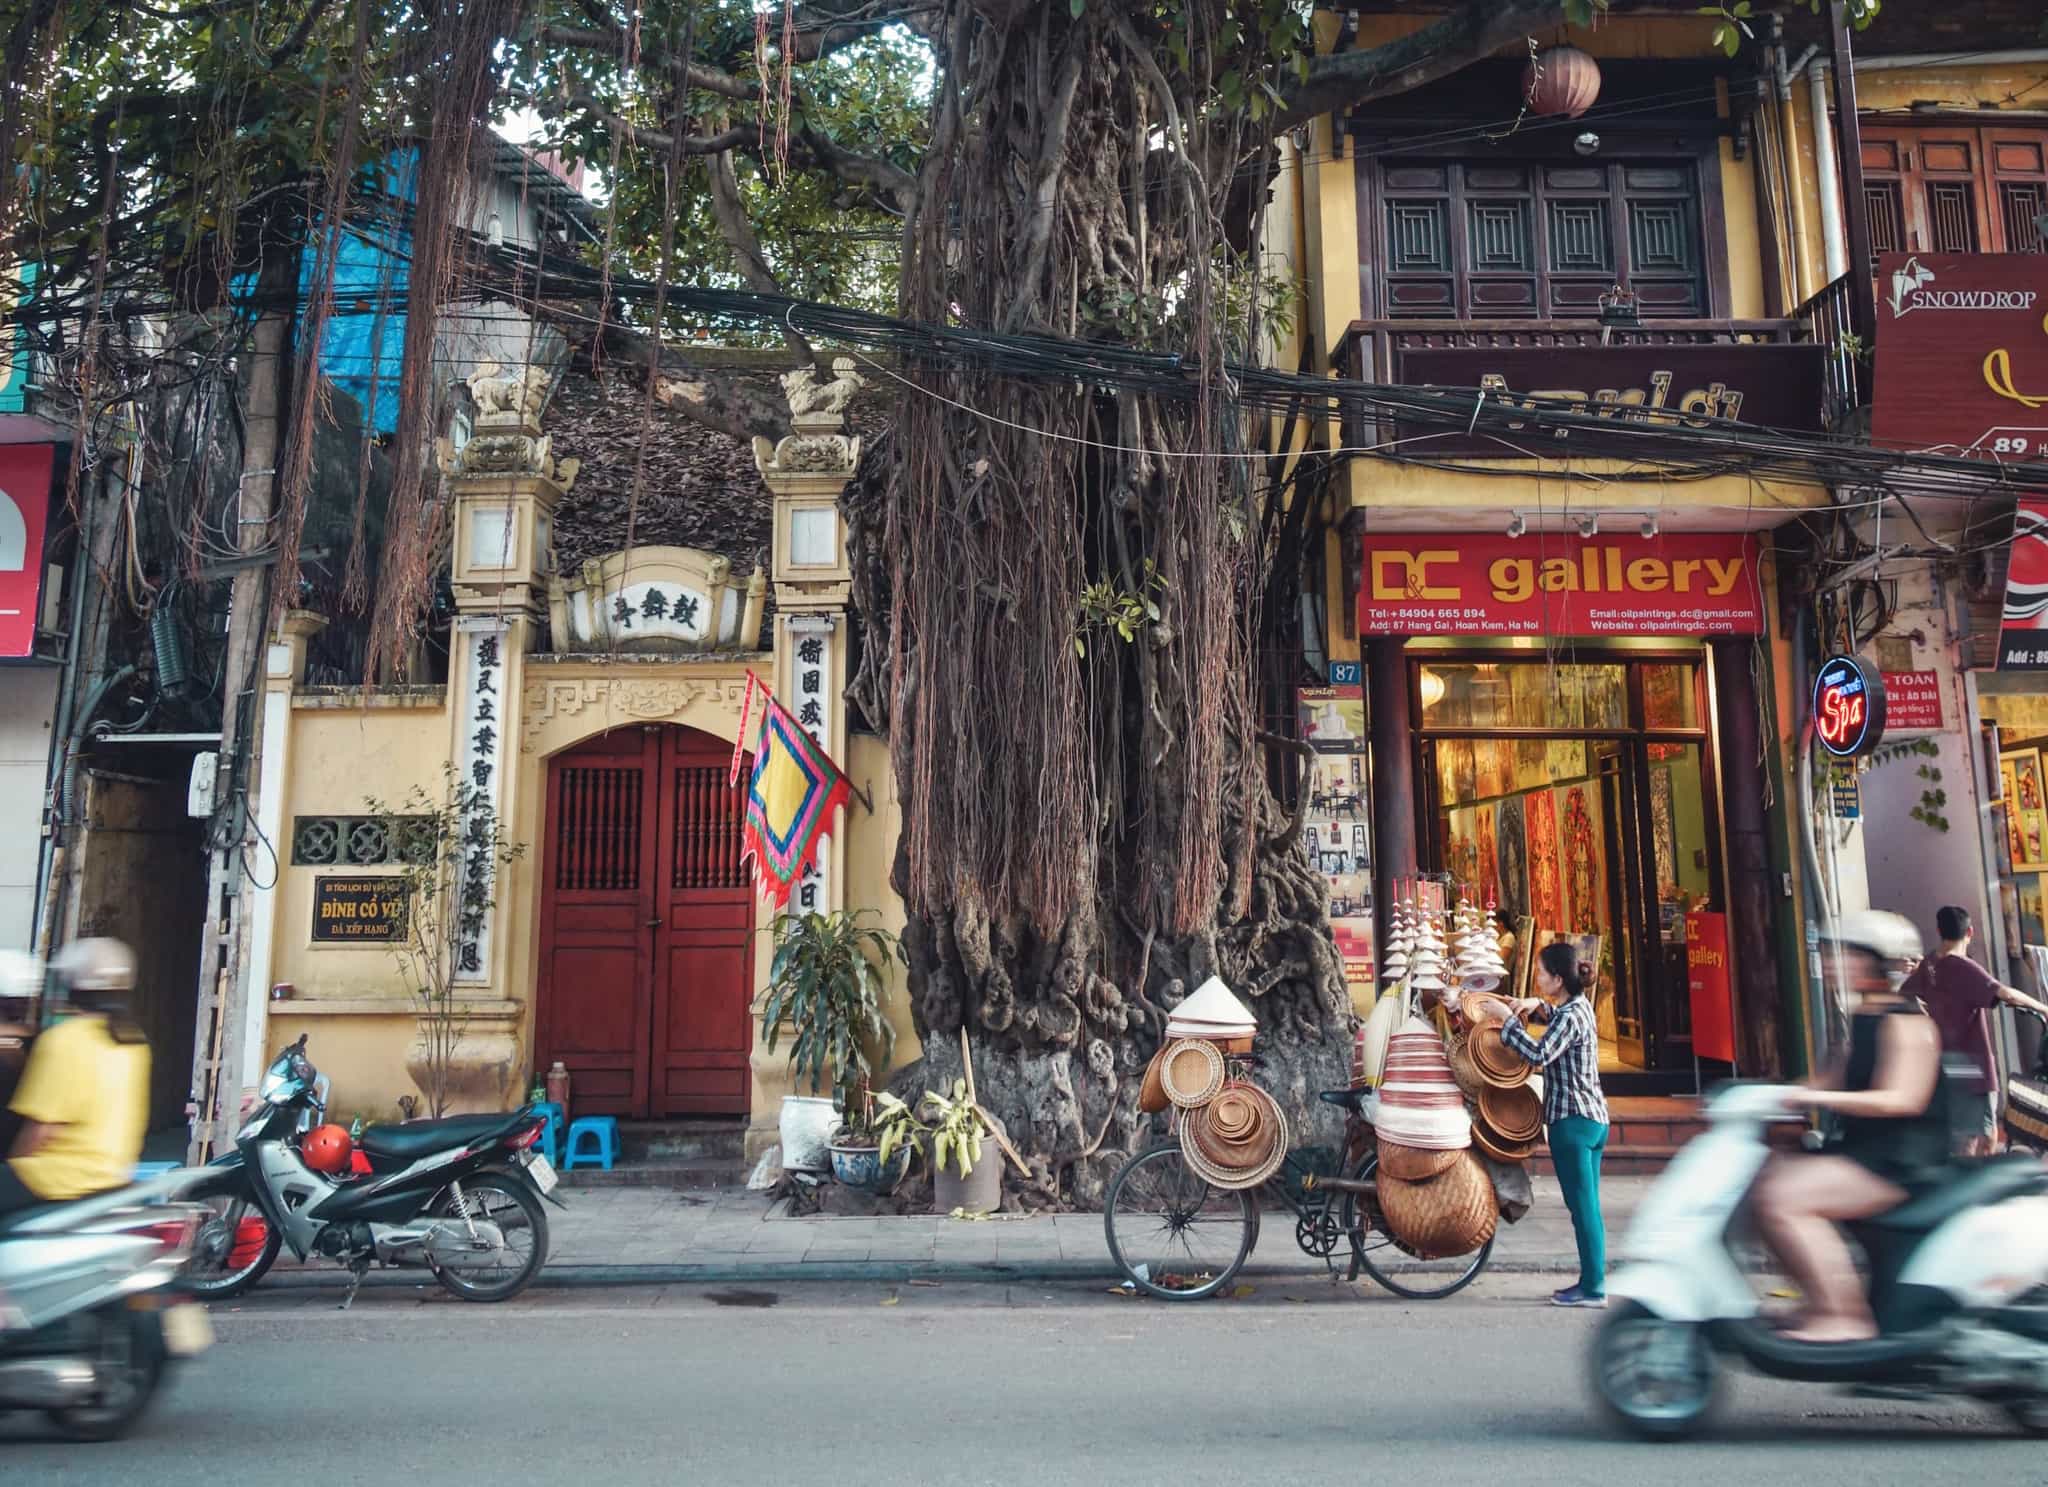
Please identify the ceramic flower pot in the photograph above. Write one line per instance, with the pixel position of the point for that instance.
(980, 1191)
(859, 1167)
(806, 1130)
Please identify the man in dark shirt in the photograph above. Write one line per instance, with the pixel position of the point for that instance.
(1959, 995)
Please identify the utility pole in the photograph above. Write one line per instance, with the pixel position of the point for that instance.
(223, 1011)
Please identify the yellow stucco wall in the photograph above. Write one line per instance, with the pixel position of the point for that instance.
(351, 998)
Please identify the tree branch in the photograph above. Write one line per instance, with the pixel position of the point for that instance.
(862, 170)
(656, 139)
(826, 26)
(716, 400)
(1478, 29)
(730, 213)
(611, 42)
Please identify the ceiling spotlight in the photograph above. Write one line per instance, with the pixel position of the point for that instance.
(1588, 524)
(1516, 524)
(1650, 525)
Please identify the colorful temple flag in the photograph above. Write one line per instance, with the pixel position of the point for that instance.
(794, 791)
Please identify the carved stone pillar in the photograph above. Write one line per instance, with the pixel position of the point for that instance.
(506, 484)
(806, 471)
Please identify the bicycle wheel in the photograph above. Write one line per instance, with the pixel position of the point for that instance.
(1171, 1233)
(1375, 1239)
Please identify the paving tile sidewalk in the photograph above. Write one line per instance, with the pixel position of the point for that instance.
(629, 1235)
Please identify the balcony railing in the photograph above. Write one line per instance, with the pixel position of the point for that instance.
(1383, 351)
(1827, 321)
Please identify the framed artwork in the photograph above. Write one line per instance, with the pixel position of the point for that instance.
(1493, 768)
(1486, 858)
(1511, 853)
(1457, 770)
(1663, 831)
(1532, 764)
(1566, 758)
(1663, 701)
(1546, 872)
(2009, 803)
(1524, 966)
(1585, 906)
(2032, 809)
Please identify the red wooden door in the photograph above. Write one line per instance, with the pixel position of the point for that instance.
(646, 926)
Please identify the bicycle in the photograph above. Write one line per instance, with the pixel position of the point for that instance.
(1171, 1217)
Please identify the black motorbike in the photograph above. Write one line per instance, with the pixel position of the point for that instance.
(459, 1197)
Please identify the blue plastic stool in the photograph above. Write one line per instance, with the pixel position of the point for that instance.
(604, 1129)
(146, 1170)
(551, 1133)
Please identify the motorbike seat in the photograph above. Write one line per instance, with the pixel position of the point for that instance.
(1967, 1187)
(419, 1138)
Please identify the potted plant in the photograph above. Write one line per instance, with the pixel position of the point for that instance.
(964, 1179)
(873, 1145)
(826, 985)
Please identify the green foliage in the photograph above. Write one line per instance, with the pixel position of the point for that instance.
(1733, 26)
(956, 1127)
(1106, 606)
(827, 984)
(891, 1125)
(1932, 806)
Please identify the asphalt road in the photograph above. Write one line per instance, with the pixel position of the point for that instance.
(963, 1385)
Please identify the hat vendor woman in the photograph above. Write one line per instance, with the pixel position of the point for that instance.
(1574, 1109)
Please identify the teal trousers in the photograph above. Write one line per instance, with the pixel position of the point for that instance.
(1575, 1147)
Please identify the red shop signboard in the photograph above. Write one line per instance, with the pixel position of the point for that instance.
(1962, 354)
(1679, 583)
(24, 507)
(1706, 969)
(1912, 701)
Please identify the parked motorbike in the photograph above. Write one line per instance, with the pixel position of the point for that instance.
(91, 1308)
(1946, 1269)
(460, 1197)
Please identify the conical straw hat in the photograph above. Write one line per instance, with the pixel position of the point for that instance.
(1213, 1003)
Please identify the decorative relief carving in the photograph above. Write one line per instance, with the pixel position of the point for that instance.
(808, 454)
(627, 698)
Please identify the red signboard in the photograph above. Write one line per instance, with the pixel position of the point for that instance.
(1681, 583)
(1706, 965)
(1962, 354)
(2023, 634)
(24, 506)
(1912, 699)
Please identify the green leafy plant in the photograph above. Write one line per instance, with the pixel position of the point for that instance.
(826, 986)
(1105, 606)
(955, 1126)
(891, 1124)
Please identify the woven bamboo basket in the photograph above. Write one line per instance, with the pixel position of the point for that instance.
(1413, 1163)
(1152, 1095)
(1452, 1214)
(1512, 1114)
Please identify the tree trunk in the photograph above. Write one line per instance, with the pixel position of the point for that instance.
(1067, 609)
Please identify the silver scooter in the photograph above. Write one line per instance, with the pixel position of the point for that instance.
(91, 1310)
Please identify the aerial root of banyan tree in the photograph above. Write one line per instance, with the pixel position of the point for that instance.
(1064, 610)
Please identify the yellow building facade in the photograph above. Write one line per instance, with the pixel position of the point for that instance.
(624, 938)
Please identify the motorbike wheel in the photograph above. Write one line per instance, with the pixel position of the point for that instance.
(1656, 1378)
(130, 1359)
(510, 1203)
(210, 1280)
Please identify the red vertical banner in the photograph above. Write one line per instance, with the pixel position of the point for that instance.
(24, 509)
(1706, 965)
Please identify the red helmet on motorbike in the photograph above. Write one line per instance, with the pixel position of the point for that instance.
(326, 1149)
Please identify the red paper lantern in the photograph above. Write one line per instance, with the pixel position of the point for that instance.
(1561, 80)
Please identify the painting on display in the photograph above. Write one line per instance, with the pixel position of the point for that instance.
(1336, 834)
(1663, 696)
(1461, 846)
(1566, 758)
(1532, 764)
(2032, 807)
(2009, 801)
(1546, 875)
(1583, 881)
(1457, 770)
(1486, 867)
(1494, 768)
(1663, 832)
(1511, 853)
(1528, 699)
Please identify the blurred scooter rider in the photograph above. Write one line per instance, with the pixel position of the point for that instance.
(84, 1097)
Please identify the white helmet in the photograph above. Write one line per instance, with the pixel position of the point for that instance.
(1892, 938)
(96, 965)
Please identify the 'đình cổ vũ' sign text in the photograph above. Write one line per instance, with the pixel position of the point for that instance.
(1680, 583)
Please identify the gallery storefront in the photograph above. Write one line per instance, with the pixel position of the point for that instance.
(1549, 716)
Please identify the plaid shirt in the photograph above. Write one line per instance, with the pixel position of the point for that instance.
(1568, 1053)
